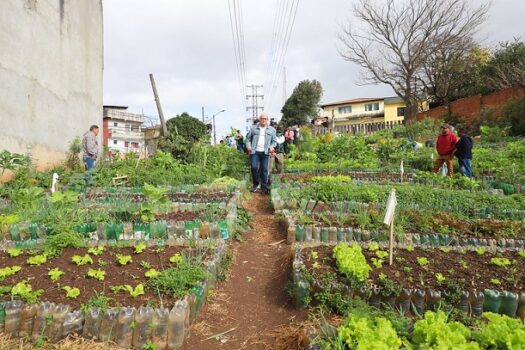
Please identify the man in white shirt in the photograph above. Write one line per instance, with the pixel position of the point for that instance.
(260, 142)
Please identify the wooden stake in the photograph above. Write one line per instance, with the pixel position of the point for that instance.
(163, 129)
(391, 243)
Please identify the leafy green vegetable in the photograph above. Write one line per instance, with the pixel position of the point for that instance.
(37, 259)
(124, 259)
(82, 260)
(433, 332)
(97, 274)
(96, 251)
(139, 248)
(55, 274)
(8, 271)
(501, 332)
(71, 293)
(352, 263)
(138, 290)
(25, 292)
(176, 258)
(422, 261)
(151, 273)
(500, 261)
(365, 333)
(14, 252)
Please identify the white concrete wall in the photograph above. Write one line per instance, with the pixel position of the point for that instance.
(51, 63)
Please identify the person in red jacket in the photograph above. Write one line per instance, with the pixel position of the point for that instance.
(445, 146)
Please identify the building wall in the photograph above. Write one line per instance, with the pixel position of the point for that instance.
(51, 63)
(357, 109)
(391, 111)
(472, 106)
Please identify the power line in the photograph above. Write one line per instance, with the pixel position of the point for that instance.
(237, 49)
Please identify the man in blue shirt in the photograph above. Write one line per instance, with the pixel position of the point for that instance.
(464, 152)
(260, 143)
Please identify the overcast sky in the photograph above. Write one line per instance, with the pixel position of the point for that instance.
(188, 46)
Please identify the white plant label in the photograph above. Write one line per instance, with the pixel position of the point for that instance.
(401, 167)
(390, 207)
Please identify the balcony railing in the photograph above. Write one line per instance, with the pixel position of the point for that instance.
(131, 117)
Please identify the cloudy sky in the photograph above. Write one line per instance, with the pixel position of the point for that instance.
(188, 46)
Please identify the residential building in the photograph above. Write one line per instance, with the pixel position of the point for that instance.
(122, 131)
(51, 65)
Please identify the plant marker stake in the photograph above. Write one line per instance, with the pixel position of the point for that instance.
(402, 170)
(389, 220)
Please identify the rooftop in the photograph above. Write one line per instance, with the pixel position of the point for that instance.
(361, 100)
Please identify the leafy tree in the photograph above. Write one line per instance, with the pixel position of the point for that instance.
(183, 131)
(513, 113)
(190, 128)
(302, 104)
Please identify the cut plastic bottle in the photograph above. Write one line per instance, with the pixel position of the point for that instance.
(177, 325)
(124, 329)
(13, 313)
(91, 328)
(142, 331)
(159, 327)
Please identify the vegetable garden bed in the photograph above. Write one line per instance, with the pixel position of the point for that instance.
(472, 280)
(125, 293)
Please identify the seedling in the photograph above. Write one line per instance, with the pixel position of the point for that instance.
(96, 274)
(37, 259)
(522, 253)
(445, 249)
(422, 261)
(440, 278)
(410, 248)
(315, 265)
(8, 271)
(481, 250)
(82, 260)
(495, 281)
(177, 258)
(96, 251)
(315, 255)
(14, 252)
(151, 273)
(500, 261)
(145, 264)
(378, 263)
(25, 292)
(381, 254)
(139, 248)
(55, 274)
(124, 259)
(373, 247)
(71, 293)
(139, 289)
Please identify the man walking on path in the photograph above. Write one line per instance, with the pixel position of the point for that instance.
(464, 152)
(90, 147)
(260, 142)
(446, 146)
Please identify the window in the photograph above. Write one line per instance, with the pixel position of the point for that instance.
(115, 142)
(135, 128)
(134, 145)
(345, 110)
(115, 124)
(401, 111)
(127, 127)
(371, 107)
(126, 143)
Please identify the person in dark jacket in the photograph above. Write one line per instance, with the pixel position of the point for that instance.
(464, 152)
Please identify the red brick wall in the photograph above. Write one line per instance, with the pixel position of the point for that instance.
(472, 106)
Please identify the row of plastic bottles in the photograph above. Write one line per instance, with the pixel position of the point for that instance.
(300, 233)
(48, 320)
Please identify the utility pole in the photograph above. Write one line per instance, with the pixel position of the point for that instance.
(255, 101)
(164, 129)
(203, 114)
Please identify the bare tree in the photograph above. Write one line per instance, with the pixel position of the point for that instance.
(453, 72)
(395, 40)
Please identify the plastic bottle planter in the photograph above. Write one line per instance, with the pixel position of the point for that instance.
(504, 303)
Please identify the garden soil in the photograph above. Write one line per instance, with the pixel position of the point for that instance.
(251, 310)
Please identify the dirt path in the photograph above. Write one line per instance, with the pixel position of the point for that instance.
(253, 301)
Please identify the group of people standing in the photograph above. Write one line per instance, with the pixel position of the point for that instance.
(449, 146)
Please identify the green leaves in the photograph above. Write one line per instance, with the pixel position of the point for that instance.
(433, 332)
(360, 332)
(25, 292)
(139, 248)
(422, 261)
(55, 274)
(176, 258)
(71, 293)
(500, 262)
(151, 273)
(14, 252)
(351, 262)
(124, 259)
(8, 271)
(134, 292)
(97, 274)
(37, 259)
(96, 251)
(82, 260)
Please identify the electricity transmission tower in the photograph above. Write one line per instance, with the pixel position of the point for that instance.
(255, 102)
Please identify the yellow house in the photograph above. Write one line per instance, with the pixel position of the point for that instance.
(364, 114)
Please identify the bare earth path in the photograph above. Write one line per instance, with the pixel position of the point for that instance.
(253, 302)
